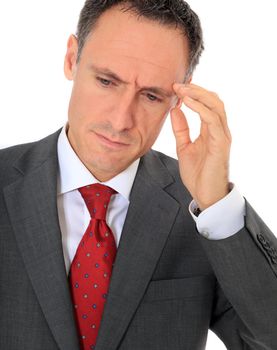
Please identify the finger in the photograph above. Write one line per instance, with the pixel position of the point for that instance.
(208, 117)
(211, 100)
(208, 98)
(180, 129)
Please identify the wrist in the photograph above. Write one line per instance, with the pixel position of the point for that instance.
(208, 201)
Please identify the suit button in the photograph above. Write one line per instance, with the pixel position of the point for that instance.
(205, 233)
(265, 243)
(261, 238)
(272, 252)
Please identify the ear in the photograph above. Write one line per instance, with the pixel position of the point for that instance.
(188, 81)
(70, 61)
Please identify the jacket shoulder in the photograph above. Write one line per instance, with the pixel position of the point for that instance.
(15, 158)
(8, 157)
(10, 154)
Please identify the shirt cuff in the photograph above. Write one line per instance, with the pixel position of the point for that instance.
(222, 219)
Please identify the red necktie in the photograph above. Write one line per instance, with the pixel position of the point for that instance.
(91, 268)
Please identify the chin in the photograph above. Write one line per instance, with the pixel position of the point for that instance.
(109, 168)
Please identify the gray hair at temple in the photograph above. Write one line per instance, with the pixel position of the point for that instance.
(167, 12)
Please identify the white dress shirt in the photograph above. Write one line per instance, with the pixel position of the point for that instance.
(219, 221)
(73, 214)
(222, 219)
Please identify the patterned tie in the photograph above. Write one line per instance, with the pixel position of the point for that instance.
(91, 268)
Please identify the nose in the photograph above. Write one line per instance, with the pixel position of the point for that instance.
(123, 112)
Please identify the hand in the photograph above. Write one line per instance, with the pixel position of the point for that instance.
(204, 163)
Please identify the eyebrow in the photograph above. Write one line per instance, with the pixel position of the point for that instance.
(113, 76)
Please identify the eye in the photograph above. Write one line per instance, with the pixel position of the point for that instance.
(104, 81)
(153, 98)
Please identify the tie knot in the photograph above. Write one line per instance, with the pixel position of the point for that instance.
(97, 198)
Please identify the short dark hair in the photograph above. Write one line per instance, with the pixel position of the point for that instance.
(168, 12)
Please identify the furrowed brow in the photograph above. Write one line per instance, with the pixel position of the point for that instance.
(111, 75)
(108, 73)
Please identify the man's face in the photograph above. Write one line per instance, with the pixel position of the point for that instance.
(122, 89)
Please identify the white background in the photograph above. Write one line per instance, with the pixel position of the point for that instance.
(239, 63)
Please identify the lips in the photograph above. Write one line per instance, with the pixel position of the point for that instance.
(110, 143)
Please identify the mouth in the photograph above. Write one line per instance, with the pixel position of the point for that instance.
(110, 143)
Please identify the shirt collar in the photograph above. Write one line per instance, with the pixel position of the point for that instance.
(73, 173)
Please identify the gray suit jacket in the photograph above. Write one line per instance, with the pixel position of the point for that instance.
(169, 284)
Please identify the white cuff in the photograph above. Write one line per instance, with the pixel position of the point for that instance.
(223, 219)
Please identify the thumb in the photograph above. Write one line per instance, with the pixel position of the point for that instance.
(180, 129)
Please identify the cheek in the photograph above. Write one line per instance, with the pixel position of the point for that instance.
(85, 105)
(151, 127)
(84, 97)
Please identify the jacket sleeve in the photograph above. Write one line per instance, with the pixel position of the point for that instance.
(245, 307)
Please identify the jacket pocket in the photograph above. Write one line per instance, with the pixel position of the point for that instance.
(189, 287)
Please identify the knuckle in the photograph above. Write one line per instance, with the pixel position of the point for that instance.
(214, 94)
(220, 102)
(230, 139)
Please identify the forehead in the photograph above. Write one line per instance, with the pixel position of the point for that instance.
(137, 45)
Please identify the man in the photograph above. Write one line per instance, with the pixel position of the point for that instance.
(191, 252)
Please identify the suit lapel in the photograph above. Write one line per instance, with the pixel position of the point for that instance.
(32, 206)
(150, 217)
